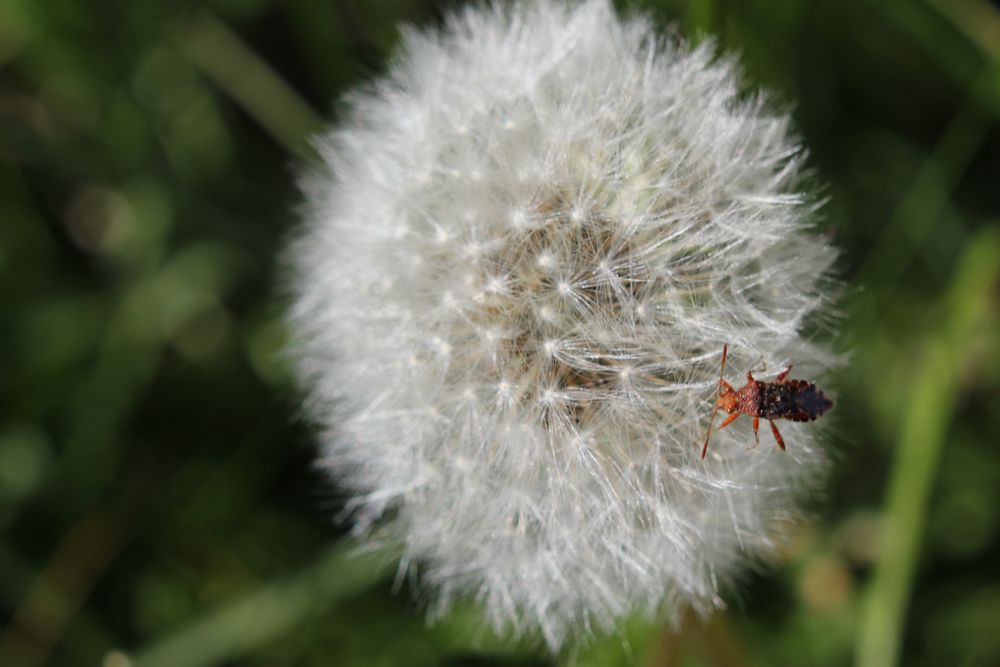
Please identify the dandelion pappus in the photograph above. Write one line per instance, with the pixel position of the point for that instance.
(795, 400)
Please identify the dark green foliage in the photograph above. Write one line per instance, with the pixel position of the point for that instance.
(156, 491)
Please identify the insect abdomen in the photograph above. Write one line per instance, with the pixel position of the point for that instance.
(777, 400)
(809, 402)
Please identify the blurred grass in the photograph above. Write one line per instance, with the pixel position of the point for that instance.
(258, 618)
(156, 495)
(252, 84)
(925, 421)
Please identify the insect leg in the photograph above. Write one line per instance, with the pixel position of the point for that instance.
(783, 374)
(777, 436)
(756, 423)
(728, 420)
(722, 371)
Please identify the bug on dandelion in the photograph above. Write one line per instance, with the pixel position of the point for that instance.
(514, 245)
(795, 400)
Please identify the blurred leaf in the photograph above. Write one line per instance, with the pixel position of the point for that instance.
(263, 615)
(921, 439)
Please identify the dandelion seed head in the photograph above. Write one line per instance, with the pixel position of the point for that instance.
(530, 242)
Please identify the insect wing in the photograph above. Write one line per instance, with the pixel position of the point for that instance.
(809, 402)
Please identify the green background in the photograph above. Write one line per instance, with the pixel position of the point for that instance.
(157, 500)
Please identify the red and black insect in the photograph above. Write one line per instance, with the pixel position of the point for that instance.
(796, 400)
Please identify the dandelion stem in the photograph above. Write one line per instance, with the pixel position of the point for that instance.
(918, 451)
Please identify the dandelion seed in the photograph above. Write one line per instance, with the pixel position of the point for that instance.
(532, 239)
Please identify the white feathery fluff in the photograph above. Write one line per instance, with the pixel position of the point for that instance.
(530, 241)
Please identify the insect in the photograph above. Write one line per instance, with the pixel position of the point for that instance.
(796, 400)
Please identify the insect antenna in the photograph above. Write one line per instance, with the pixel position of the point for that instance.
(722, 372)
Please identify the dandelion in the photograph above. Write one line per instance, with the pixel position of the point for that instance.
(530, 243)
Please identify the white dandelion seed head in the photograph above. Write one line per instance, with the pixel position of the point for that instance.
(532, 239)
